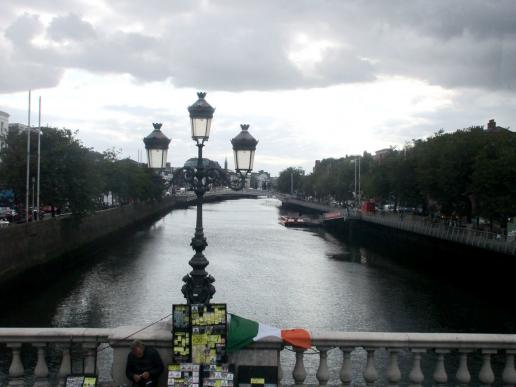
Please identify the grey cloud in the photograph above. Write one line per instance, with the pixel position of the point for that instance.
(27, 76)
(234, 45)
(18, 76)
(24, 28)
(70, 27)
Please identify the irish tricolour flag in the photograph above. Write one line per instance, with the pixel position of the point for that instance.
(243, 332)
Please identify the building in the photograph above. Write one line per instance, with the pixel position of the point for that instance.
(4, 127)
(380, 154)
(260, 180)
(18, 128)
(207, 163)
(493, 128)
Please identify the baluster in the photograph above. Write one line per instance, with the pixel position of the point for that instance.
(370, 374)
(440, 376)
(416, 376)
(89, 361)
(66, 366)
(463, 376)
(16, 370)
(393, 370)
(323, 374)
(345, 370)
(41, 369)
(509, 373)
(299, 373)
(486, 374)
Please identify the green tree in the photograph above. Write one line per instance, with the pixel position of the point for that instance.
(494, 179)
(284, 180)
(69, 176)
(73, 175)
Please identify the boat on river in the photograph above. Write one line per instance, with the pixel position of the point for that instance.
(297, 221)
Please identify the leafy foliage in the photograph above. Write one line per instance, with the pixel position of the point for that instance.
(471, 172)
(73, 175)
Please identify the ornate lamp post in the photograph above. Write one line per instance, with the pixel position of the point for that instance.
(156, 144)
(198, 284)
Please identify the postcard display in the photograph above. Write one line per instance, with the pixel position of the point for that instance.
(81, 381)
(199, 347)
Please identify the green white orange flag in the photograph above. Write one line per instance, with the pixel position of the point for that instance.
(243, 332)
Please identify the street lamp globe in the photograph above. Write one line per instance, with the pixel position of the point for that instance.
(244, 147)
(201, 114)
(156, 145)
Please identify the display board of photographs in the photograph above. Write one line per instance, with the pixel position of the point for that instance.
(199, 333)
(257, 376)
(184, 375)
(81, 381)
(209, 333)
(217, 375)
(181, 333)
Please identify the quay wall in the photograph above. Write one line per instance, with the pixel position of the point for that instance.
(27, 246)
(473, 267)
(485, 271)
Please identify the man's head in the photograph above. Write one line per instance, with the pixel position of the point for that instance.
(137, 348)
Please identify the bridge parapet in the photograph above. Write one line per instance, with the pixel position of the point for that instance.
(344, 358)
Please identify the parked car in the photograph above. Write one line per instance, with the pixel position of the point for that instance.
(4, 211)
(7, 213)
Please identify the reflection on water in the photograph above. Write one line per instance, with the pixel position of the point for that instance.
(264, 271)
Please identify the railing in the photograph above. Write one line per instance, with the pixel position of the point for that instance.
(477, 238)
(468, 236)
(60, 342)
(338, 358)
(396, 358)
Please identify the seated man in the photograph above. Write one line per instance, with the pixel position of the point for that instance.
(144, 365)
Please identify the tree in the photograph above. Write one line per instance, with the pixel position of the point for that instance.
(284, 180)
(494, 179)
(68, 173)
(471, 172)
(128, 180)
(73, 175)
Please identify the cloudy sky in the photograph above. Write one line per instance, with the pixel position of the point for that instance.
(313, 78)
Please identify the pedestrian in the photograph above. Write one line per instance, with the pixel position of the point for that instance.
(144, 365)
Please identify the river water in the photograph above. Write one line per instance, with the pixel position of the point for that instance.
(263, 271)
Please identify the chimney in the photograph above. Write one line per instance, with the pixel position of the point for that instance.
(491, 125)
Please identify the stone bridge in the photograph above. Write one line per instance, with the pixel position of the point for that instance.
(336, 358)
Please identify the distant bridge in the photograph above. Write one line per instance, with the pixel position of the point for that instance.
(221, 194)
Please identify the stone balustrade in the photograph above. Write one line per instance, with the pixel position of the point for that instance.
(373, 358)
(44, 340)
(337, 358)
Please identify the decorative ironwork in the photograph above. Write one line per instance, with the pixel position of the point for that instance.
(198, 285)
(211, 177)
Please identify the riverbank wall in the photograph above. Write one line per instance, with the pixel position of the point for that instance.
(483, 270)
(38, 251)
(25, 247)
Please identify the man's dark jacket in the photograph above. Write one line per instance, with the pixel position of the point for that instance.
(150, 362)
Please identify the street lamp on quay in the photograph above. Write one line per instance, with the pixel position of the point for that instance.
(198, 284)
(358, 196)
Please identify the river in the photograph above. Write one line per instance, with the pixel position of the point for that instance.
(283, 277)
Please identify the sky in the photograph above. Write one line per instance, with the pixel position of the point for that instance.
(312, 78)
